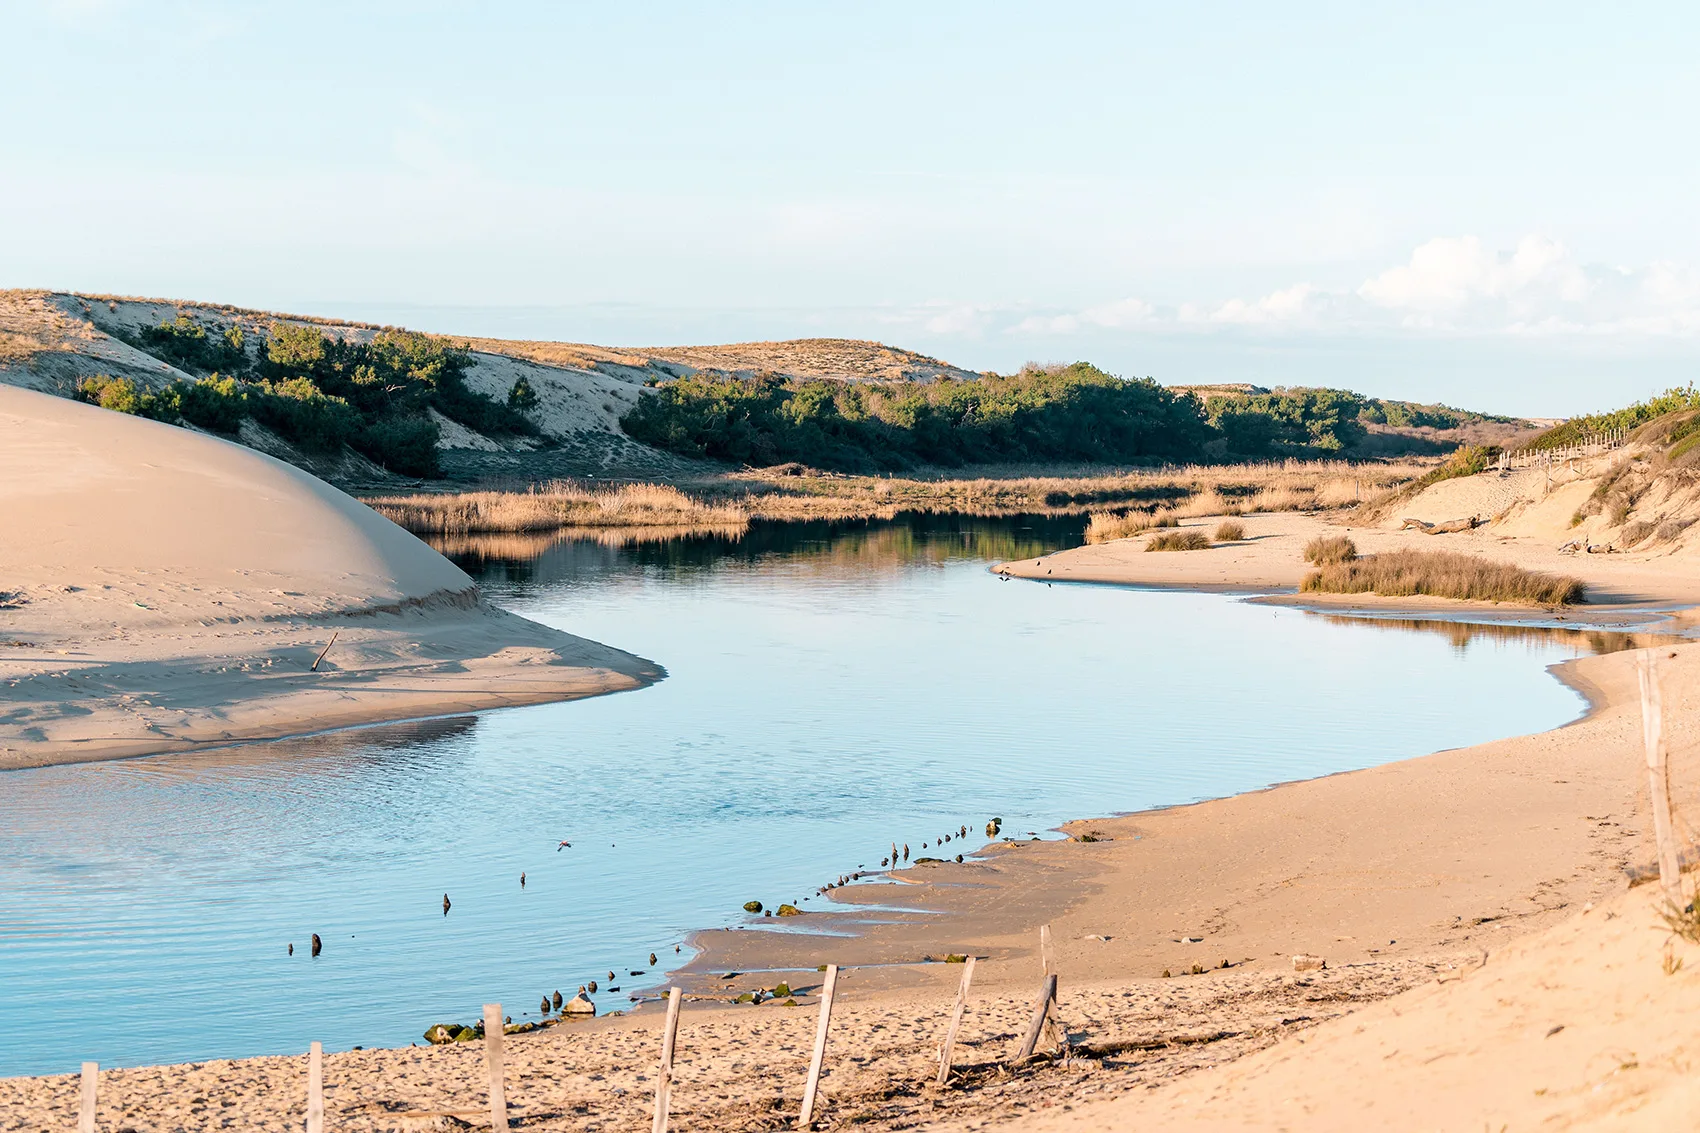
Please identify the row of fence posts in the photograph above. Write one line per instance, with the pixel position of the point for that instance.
(1043, 1009)
(1530, 458)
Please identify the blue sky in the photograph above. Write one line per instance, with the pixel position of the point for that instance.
(1488, 204)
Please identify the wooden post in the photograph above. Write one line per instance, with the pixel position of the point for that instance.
(664, 1079)
(1045, 950)
(316, 1088)
(807, 1117)
(1658, 777)
(1041, 1009)
(955, 1020)
(85, 1113)
(493, 1057)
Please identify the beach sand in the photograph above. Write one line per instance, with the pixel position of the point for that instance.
(161, 589)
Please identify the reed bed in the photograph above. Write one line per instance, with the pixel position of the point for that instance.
(1443, 574)
(556, 505)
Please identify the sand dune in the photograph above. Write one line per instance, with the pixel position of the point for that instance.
(166, 589)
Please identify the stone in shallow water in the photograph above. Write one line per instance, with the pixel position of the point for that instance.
(579, 1005)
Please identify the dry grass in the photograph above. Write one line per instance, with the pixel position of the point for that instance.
(1229, 532)
(1183, 491)
(1444, 574)
(1327, 549)
(1107, 526)
(1192, 539)
(557, 505)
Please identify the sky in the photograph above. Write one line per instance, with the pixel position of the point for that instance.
(1492, 205)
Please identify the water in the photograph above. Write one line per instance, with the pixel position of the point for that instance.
(831, 689)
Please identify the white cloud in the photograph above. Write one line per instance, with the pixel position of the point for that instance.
(1448, 273)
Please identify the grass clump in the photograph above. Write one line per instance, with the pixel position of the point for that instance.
(1443, 574)
(1192, 539)
(1229, 532)
(1325, 550)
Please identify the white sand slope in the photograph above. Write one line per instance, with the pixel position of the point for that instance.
(165, 589)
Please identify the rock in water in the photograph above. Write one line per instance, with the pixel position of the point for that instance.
(789, 911)
(318, 945)
(579, 1005)
(557, 1001)
(544, 1009)
(292, 949)
(652, 959)
(593, 986)
(752, 906)
(445, 904)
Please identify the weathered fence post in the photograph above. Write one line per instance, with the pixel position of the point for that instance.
(1658, 777)
(955, 1020)
(809, 1090)
(1047, 996)
(664, 1079)
(493, 1057)
(316, 1088)
(1045, 950)
(85, 1112)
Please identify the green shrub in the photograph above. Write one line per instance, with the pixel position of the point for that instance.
(215, 403)
(299, 412)
(1192, 539)
(407, 445)
(1578, 430)
(1326, 549)
(185, 343)
(521, 396)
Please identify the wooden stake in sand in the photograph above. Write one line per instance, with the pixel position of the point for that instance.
(85, 1114)
(664, 1079)
(1658, 777)
(807, 1117)
(316, 1088)
(324, 651)
(1047, 996)
(955, 1021)
(1045, 950)
(493, 1057)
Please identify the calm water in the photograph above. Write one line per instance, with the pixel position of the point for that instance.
(831, 689)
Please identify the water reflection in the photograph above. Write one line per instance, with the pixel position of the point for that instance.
(1580, 642)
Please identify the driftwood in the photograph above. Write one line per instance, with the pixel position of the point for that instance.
(1123, 1046)
(1446, 528)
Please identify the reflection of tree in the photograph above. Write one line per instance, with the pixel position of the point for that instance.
(1462, 634)
(831, 546)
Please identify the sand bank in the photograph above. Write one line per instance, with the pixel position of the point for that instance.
(161, 589)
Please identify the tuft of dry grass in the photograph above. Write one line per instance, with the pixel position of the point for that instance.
(556, 505)
(1229, 532)
(1192, 539)
(1326, 549)
(1444, 574)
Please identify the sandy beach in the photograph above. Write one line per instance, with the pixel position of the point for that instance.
(161, 590)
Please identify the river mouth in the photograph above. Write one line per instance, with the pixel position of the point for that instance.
(833, 688)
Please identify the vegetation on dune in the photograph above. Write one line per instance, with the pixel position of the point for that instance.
(1229, 532)
(1078, 413)
(553, 506)
(1443, 574)
(1578, 430)
(319, 392)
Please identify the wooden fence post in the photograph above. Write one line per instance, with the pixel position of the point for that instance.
(1041, 1009)
(806, 1118)
(1658, 777)
(664, 1080)
(493, 1057)
(1045, 950)
(955, 1020)
(316, 1088)
(85, 1112)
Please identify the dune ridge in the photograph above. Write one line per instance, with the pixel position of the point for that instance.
(163, 589)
